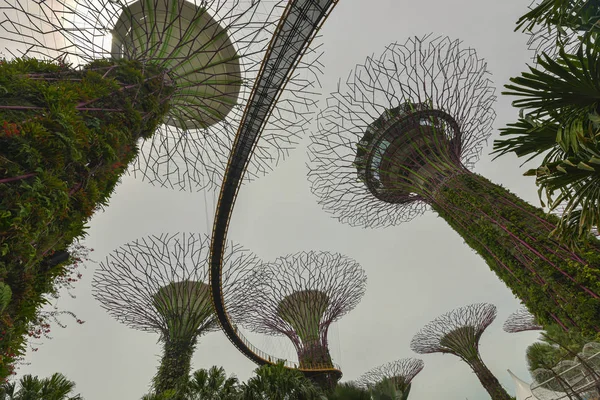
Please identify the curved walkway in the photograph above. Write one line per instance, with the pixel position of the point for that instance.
(298, 26)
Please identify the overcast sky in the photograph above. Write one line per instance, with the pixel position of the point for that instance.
(416, 271)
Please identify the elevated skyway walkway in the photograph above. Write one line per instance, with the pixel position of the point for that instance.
(297, 28)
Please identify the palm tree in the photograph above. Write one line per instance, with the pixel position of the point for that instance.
(560, 118)
(275, 382)
(212, 385)
(57, 387)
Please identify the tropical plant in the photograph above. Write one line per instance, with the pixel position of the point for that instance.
(212, 384)
(276, 382)
(57, 387)
(559, 101)
(555, 345)
(574, 14)
(66, 137)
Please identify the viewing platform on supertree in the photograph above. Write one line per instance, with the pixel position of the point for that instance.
(400, 137)
(520, 321)
(396, 375)
(299, 296)
(210, 53)
(160, 284)
(458, 332)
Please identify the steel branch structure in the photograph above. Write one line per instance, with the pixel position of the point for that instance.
(423, 82)
(575, 378)
(301, 295)
(297, 28)
(211, 51)
(458, 332)
(400, 136)
(520, 321)
(160, 284)
(399, 373)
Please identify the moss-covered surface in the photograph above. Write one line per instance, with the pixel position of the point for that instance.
(175, 364)
(66, 137)
(556, 283)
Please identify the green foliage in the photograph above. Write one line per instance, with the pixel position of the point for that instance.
(175, 365)
(5, 296)
(212, 384)
(271, 382)
(66, 138)
(555, 345)
(57, 387)
(348, 391)
(574, 14)
(514, 238)
(275, 382)
(559, 101)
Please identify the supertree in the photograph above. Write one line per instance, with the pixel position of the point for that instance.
(458, 332)
(209, 52)
(400, 137)
(159, 284)
(399, 374)
(300, 296)
(520, 321)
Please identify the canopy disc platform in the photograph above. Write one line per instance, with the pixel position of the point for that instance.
(393, 155)
(201, 60)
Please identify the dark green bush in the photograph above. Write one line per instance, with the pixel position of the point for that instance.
(66, 137)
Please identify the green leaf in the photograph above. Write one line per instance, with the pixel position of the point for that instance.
(585, 167)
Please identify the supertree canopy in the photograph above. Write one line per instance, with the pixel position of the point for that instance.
(520, 321)
(400, 137)
(458, 332)
(211, 52)
(159, 284)
(301, 295)
(202, 61)
(398, 373)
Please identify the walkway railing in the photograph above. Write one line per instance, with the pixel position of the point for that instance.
(297, 27)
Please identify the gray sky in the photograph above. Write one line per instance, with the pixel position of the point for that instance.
(416, 271)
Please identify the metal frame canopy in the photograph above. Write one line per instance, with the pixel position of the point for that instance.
(160, 283)
(186, 39)
(402, 121)
(300, 295)
(212, 51)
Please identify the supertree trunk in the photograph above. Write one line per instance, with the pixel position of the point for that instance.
(314, 355)
(488, 380)
(175, 364)
(514, 238)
